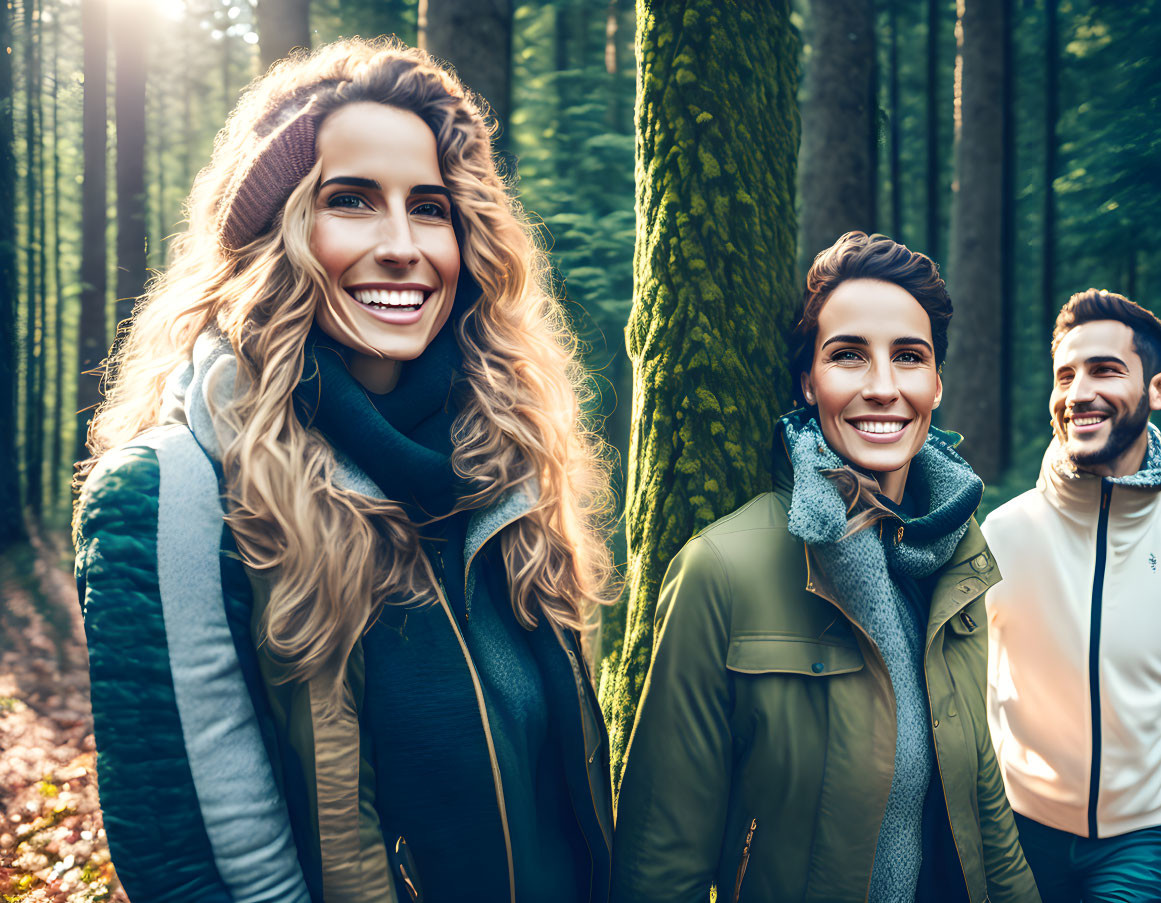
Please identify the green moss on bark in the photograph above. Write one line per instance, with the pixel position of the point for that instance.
(717, 138)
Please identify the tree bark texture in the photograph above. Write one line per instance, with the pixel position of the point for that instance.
(475, 36)
(129, 43)
(972, 395)
(1048, 301)
(94, 283)
(33, 254)
(283, 25)
(836, 174)
(11, 519)
(714, 292)
(931, 174)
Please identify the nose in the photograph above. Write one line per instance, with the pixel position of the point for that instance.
(880, 383)
(395, 245)
(1081, 390)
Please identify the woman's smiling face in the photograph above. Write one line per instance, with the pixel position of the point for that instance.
(383, 234)
(874, 378)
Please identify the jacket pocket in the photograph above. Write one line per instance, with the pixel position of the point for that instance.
(774, 654)
(745, 861)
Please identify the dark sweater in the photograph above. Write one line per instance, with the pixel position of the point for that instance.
(403, 441)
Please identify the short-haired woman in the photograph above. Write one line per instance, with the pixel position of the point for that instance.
(813, 726)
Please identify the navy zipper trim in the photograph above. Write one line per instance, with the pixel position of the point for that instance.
(1094, 654)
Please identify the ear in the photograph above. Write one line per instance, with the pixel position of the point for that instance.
(1154, 390)
(938, 390)
(807, 387)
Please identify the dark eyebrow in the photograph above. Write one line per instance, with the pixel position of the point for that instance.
(430, 189)
(353, 181)
(846, 340)
(1106, 359)
(913, 340)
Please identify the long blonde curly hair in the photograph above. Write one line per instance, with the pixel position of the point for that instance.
(336, 555)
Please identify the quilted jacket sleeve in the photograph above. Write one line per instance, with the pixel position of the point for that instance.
(193, 808)
(156, 834)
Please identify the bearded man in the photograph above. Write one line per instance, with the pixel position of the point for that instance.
(1074, 683)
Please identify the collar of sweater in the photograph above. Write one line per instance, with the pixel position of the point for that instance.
(402, 439)
(944, 488)
(1076, 493)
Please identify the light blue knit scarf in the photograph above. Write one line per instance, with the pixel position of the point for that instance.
(860, 568)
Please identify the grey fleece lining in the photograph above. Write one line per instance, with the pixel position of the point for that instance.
(244, 812)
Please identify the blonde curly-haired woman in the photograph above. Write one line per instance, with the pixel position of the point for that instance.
(342, 528)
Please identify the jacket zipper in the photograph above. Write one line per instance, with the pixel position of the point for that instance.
(745, 860)
(442, 595)
(582, 702)
(1094, 650)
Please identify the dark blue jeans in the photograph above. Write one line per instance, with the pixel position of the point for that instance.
(1122, 869)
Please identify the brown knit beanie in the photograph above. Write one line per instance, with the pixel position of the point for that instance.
(261, 185)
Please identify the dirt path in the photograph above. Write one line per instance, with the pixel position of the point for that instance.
(52, 844)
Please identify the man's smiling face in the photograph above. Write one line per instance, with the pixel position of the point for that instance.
(1100, 402)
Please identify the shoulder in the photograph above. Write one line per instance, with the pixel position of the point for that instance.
(745, 555)
(1013, 519)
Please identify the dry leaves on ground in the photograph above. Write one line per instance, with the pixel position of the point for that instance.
(52, 843)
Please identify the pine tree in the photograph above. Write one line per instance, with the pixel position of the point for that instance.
(717, 135)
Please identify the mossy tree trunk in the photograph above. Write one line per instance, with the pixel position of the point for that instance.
(717, 140)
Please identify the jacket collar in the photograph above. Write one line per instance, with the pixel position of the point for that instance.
(1076, 494)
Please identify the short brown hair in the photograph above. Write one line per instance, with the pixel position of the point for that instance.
(857, 255)
(1098, 304)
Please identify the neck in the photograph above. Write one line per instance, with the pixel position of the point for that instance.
(892, 482)
(1125, 464)
(375, 374)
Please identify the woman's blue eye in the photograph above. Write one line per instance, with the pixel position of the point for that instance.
(430, 208)
(352, 201)
(845, 356)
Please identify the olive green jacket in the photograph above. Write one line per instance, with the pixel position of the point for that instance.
(764, 745)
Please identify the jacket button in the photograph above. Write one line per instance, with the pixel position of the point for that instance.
(980, 563)
(898, 536)
(936, 722)
(818, 667)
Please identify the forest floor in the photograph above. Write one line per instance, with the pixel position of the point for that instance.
(52, 843)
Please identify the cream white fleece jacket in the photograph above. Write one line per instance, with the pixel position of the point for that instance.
(1074, 673)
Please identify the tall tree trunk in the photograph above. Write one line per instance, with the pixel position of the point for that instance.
(11, 515)
(34, 290)
(932, 116)
(1006, 424)
(130, 38)
(896, 174)
(714, 292)
(94, 286)
(475, 36)
(972, 397)
(283, 25)
(56, 452)
(835, 174)
(1048, 302)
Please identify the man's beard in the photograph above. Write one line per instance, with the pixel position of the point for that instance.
(1125, 431)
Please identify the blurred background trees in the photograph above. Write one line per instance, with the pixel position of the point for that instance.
(1015, 141)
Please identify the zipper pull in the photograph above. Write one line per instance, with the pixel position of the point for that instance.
(745, 859)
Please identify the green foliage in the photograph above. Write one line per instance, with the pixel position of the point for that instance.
(714, 289)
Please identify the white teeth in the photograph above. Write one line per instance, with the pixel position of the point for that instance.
(1086, 421)
(383, 298)
(877, 426)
